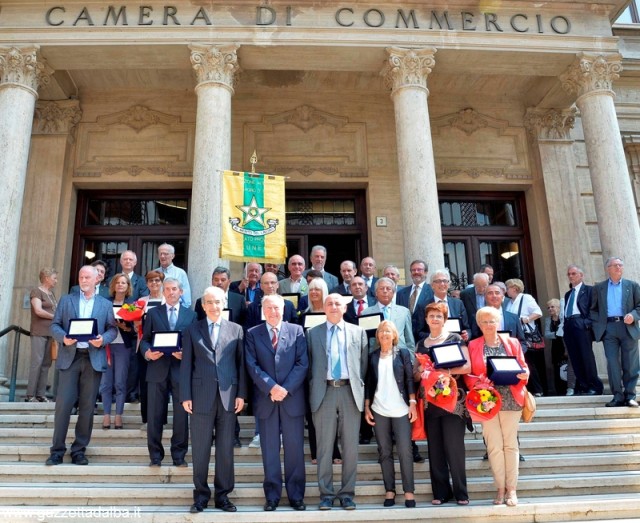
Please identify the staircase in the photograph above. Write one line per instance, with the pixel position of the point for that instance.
(582, 463)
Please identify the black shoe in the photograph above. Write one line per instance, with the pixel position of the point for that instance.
(325, 504)
(155, 463)
(198, 506)
(237, 443)
(79, 459)
(270, 506)
(389, 502)
(631, 403)
(298, 505)
(365, 441)
(54, 459)
(485, 457)
(179, 463)
(590, 392)
(226, 505)
(417, 458)
(347, 504)
(410, 503)
(522, 458)
(615, 403)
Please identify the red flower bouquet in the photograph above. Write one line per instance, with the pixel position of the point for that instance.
(441, 390)
(484, 401)
(132, 311)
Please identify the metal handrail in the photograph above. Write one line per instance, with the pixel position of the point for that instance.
(16, 351)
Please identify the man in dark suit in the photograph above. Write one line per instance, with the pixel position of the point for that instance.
(221, 278)
(213, 354)
(163, 371)
(128, 261)
(615, 311)
(509, 321)
(368, 271)
(439, 281)
(347, 271)
(249, 285)
(361, 300)
(338, 357)
(80, 364)
(473, 299)
(269, 286)
(277, 362)
(415, 297)
(317, 260)
(578, 335)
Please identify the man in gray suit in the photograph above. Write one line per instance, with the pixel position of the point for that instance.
(317, 260)
(81, 365)
(213, 389)
(397, 314)
(615, 311)
(338, 354)
(296, 282)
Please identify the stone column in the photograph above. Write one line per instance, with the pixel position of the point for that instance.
(551, 130)
(591, 77)
(21, 73)
(406, 74)
(632, 149)
(215, 69)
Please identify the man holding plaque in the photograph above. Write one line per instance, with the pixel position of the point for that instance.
(213, 389)
(83, 324)
(338, 359)
(161, 347)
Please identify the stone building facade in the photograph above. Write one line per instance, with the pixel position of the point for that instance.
(406, 111)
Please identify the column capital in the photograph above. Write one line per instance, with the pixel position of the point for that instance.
(218, 65)
(22, 66)
(408, 67)
(57, 117)
(550, 124)
(591, 73)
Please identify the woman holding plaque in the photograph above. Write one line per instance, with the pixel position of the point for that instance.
(501, 430)
(43, 307)
(390, 407)
(445, 417)
(119, 350)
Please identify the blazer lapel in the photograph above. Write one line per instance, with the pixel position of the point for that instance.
(204, 332)
(75, 301)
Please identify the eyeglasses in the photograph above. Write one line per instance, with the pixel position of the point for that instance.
(440, 281)
(489, 322)
(616, 265)
(154, 280)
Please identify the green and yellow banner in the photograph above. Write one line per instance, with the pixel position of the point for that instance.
(253, 217)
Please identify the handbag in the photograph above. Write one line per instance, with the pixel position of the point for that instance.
(532, 336)
(529, 407)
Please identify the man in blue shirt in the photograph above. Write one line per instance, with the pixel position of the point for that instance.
(615, 311)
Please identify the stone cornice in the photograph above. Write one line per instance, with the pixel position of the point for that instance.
(23, 67)
(218, 65)
(408, 67)
(592, 73)
(60, 117)
(550, 124)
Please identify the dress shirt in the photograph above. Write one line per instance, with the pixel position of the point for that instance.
(86, 309)
(575, 309)
(529, 305)
(614, 299)
(342, 347)
(295, 285)
(480, 300)
(176, 272)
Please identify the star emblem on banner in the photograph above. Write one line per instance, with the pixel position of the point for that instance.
(253, 212)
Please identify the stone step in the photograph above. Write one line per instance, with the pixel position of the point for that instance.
(252, 472)
(595, 509)
(251, 494)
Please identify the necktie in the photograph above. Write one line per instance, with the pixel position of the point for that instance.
(173, 318)
(413, 298)
(213, 334)
(385, 312)
(360, 307)
(336, 369)
(274, 338)
(572, 299)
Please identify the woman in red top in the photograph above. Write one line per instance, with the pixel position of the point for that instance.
(500, 432)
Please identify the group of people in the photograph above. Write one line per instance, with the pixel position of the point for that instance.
(259, 348)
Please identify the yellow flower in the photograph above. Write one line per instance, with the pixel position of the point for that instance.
(484, 395)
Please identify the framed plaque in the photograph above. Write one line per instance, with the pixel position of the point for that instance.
(166, 342)
(83, 329)
(226, 314)
(370, 322)
(502, 370)
(447, 356)
(293, 297)
(313, 319)
(453, 325)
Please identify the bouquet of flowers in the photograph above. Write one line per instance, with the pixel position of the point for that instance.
(132, 311)
(483, 401)
(442, 390)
